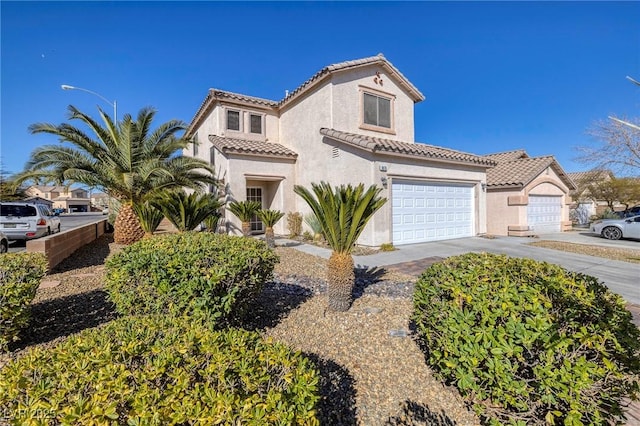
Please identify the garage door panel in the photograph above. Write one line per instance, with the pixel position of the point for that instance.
(544, 213)
(431, 211)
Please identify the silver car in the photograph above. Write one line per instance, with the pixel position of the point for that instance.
(614, 229)
(26, 221)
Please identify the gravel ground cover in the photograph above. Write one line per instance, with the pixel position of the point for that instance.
(624, 255)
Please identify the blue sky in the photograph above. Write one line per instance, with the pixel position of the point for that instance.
(497, 76)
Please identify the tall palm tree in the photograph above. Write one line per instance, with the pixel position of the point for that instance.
(269, 218)
(342, 214)
(126, 159)
(245, 210)
(186, 211)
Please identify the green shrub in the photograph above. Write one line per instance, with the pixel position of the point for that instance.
(387, 247)
(20, 275)
(161, 371)
(528, 342)
(209, 276)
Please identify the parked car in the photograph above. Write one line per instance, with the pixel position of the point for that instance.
(614, 229)
(58, 211)
(26, 221)
(632, 211)
(4, 243)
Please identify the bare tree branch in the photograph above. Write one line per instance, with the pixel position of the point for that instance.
(616, 146)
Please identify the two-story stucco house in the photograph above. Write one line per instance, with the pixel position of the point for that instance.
(70, 199)
(351, 122)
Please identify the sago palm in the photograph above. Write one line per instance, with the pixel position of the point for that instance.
(149, 217)
(244, 210)
(186, 211)
(269, 218)
(125, 159)
(343, 215)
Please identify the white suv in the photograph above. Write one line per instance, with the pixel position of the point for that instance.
(26, 221)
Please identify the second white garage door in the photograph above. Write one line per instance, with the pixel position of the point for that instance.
(544, 213)
(425, 211)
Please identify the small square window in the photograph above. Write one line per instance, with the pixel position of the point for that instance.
(256, 123)
(233, 120)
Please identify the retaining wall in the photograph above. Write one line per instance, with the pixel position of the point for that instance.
(59, 246)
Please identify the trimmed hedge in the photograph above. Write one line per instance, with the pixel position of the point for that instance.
(528, 343)
(20, 275)
(208, 276)
(159, 370)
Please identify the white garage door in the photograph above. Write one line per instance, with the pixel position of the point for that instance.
(424, 211)
(544, 213)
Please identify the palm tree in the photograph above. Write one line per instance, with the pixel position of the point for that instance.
(149, 217)
(343, 214)
(245, 210)
(269, 218)
(186, 211)
(126, 159)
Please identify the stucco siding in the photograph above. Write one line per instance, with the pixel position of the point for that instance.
(503, 212)
(265, 173)
(347, 103)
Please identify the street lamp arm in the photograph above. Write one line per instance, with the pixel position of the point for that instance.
(114, 104)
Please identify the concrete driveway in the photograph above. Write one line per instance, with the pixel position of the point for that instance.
(621, 277)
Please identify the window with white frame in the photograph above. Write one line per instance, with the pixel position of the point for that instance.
(376, 110)
(233, 120)
(255, 123)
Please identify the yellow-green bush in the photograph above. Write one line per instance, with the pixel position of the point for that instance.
(159, 370)
(208, 276)
(528, 343)
(20, 275)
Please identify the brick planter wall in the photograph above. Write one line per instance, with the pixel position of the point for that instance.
(59, 246)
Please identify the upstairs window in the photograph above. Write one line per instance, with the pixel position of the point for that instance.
(233, 120)
(195, 145)
(256, 123)
(377, 110)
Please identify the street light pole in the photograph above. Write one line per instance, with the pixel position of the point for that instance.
(114, 104)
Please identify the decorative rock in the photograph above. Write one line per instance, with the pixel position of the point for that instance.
(398, 333)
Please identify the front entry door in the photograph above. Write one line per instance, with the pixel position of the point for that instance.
(255, 194)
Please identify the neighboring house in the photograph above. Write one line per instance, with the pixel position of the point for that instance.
(584, 206)
(527, 195)
(351, 122)
(70, 199)
(39, 200)
(100, 200)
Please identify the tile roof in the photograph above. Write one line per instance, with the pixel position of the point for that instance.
(520, 172)
(417, 150)
(223, 94)
(340, 66)
(508, 155)
(247, 147)
(590, 175)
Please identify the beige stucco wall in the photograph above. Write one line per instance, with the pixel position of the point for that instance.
(347, 103)
(264, 173)
(507, 209)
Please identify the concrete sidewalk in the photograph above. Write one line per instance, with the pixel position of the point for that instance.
(620, 277)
